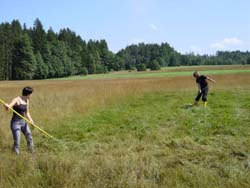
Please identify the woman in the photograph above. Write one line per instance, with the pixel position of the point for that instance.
(21, 105)
(201, 80)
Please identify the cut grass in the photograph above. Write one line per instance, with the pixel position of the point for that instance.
(132, 133)
(149, 141)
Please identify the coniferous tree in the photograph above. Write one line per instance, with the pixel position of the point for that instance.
(6, 50)
(51, 36)
(91, 64)
(66, 54)
(24, 64)
(141, 67)
(248, 60)
(42, 69)
(154, 65)
(39, 37)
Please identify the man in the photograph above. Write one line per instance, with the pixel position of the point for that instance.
(201, 81)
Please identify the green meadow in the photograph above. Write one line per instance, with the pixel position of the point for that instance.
(167, 71)
(139, 132)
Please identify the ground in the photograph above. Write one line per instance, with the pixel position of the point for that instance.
(132, 132)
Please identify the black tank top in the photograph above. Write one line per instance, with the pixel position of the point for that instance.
(201, 80)
(21, 109)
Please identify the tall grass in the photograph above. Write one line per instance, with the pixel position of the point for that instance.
(167, 72)
(131, 133)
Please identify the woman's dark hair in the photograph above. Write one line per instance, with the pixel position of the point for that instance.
(27, 91)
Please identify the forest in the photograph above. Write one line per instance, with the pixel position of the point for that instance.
(34, 53)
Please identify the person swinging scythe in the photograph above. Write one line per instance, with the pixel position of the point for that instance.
(201, 81)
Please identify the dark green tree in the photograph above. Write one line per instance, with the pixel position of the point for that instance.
(248, 60)
(6, 51)
(154, 65)
(141, 67)
(42, 70)
(84, 71)
(23, 60)
(39, 37)
(65, 53)
(91, 64)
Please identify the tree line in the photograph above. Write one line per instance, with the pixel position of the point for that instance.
(33, 53)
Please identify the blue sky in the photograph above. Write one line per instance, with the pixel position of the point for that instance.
(199, 26)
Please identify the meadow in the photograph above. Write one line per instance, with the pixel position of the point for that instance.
(167, 72)
(132, 131)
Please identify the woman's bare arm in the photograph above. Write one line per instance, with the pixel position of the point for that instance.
(210, 79)
(28, 113)
(11, 104)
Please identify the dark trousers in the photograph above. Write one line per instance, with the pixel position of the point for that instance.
(203, 92)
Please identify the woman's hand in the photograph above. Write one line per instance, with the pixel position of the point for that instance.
(32, 122)
(6, 106)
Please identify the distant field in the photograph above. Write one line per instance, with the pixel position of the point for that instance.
(206, 67)
(168, 71)
(137, 132)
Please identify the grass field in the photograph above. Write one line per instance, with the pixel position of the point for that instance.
(136, 132)
(167, 72)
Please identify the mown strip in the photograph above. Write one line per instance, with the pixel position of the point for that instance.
(154, 74)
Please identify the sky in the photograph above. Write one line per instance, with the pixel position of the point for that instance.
(198, 26)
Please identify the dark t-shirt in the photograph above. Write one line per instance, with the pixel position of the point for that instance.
(201, 80)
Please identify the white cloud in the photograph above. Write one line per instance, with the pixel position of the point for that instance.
(227, 43)
(218, 46)
(232, 41)
(153, 27)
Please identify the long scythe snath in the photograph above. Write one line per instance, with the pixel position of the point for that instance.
(25, 119)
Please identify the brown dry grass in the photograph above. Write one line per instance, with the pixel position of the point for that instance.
(191, 68)
(204, 68)
(130, 163)
(53, 100)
